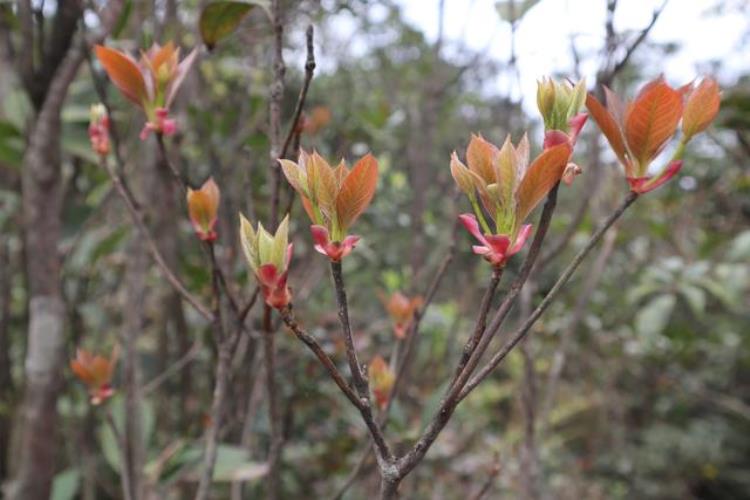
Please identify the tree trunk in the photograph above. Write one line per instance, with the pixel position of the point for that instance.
(45, 351)
(6, 378)
(388, 489)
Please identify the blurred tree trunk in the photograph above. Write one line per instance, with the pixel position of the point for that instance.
(47, 87)
(6, 378)
(47, 61)
(135, 284)
(420, 149)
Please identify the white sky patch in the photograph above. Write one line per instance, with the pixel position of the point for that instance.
(543, 37)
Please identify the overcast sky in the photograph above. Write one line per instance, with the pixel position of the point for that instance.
(544, 33)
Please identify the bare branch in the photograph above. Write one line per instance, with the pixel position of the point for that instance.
(360, 382)
(481, 323)
(325, 360)
(309, 70)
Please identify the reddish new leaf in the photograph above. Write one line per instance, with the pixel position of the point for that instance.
(322, 182)
(541, 177)
(480, 156)
(124, 73)
(609, 127)
(357, 191)
(651, 120)
(701, 108)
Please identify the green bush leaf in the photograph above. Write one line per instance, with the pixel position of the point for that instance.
(220, 19)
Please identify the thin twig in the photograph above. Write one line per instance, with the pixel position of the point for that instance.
(225, 348)
(385, 456)
(164, 159)
(639, 40)
(481, 323)
(288, 316)
(494, 471)
(412, 337)
(551, 295)
(595, 274)
(212, 433)
(175, 367)
(309, 70)
(358, 378)
(138, 220)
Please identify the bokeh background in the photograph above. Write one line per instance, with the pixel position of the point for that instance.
(635, 380)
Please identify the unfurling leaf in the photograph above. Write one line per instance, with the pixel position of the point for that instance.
(609, 126)
(701, 108)
(268, 257)
(357, 191)
(96, 372)
(382, 379)
(651, 119)
(541, 177)
(124, 73)
(203, 207)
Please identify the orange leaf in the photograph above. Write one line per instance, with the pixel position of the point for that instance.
(322, 183)
(124, 73)
(540, 178)
(340, 173)
(701, 108)
(203, 205)
(462, 176)
(82, 372)
(307, 205)
(357, 191)
(608, 126)
(480, 156)
(651, 120)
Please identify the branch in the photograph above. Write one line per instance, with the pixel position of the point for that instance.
(641, 37)
(164, 159)
(309, 70)
(558, 362)
(481, 323)
(385, 456)
(288, 316)
(277, 94)
(138, 220)
(412, 337)
(551, 295)
(212, 433)
(175, 367)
